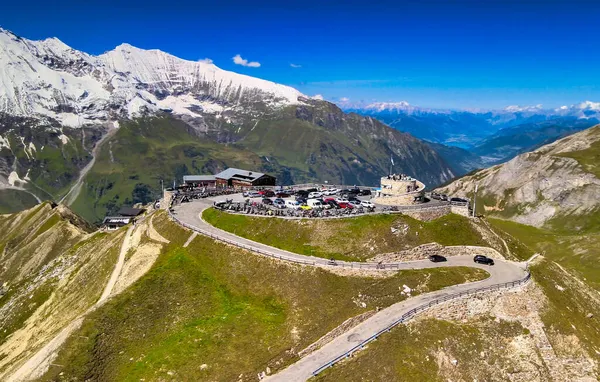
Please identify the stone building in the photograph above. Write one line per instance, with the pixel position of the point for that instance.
(400, 190)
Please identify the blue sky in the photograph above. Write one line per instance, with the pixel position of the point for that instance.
(444, 54)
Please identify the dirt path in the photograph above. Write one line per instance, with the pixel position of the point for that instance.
(73, 193)
(37, 365)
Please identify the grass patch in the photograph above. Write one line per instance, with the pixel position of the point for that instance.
(12, 201)
(578, 253)
(410, 353)
(234, 312)
(568, 307)
(589, 158)
(49, 223)
(354, 239)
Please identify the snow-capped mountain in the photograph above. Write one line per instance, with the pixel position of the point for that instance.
(48, 79)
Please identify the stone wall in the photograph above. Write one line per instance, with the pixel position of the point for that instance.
(429, 213)
(460, 210)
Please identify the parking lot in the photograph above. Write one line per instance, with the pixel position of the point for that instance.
(293, 203)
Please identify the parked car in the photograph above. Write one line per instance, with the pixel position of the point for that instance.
(302, 193)
(483, 260)
(279, 203)
(312, 190)
(254, 194)
(267, 201)
(333, 204)
(282, 194)
(315, 195)
(245, 194)
(305, 207)
(315, 203)
(437, 258)
(367, 204)
(301, 199)
(459, 200)
(345, 205)
(292, 204)
(365, 192)
(355, 202)
(328, 199)
(342, 199)
(267, 193)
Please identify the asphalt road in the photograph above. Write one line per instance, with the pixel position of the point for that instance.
(503, 271)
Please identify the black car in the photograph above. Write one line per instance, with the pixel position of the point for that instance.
(333, 204)
(365, 192)
(459, 200)
(483, 260)
(311, 190)
(437, 258)
(302, 193)
(267, 201)
(301, 199)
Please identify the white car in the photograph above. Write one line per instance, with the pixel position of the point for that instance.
(254, 194)
(314, 195)
(355, 203)
(315, 203)
(292, 204)
(342, 199)
(367, 204)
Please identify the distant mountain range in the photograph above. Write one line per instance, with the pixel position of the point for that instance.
(496, 135)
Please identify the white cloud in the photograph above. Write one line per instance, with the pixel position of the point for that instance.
(318, 96)
(344, 99)
(295, 66)
(238, 60)
(206, 61)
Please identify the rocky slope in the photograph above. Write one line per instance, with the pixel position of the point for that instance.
(557, 181)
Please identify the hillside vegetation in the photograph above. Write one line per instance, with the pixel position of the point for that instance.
(356, 239)
(51, 270)
(213, 312)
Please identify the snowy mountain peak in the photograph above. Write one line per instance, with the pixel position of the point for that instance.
(52, 81)
(517, 109)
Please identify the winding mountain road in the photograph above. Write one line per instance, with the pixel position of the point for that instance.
(190, 215)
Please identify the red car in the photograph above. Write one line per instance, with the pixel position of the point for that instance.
(282, 195)
(329, 200)
(267, 193)
(345, 205)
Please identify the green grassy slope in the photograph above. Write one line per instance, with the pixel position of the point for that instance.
(131, 164)
(14, 201)
(357, 238)
(233, 312)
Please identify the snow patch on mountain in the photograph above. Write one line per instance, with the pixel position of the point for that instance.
(50, 80)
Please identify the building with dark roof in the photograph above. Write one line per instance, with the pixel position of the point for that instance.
(200, 180)
(234, 177)
(112, 223)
